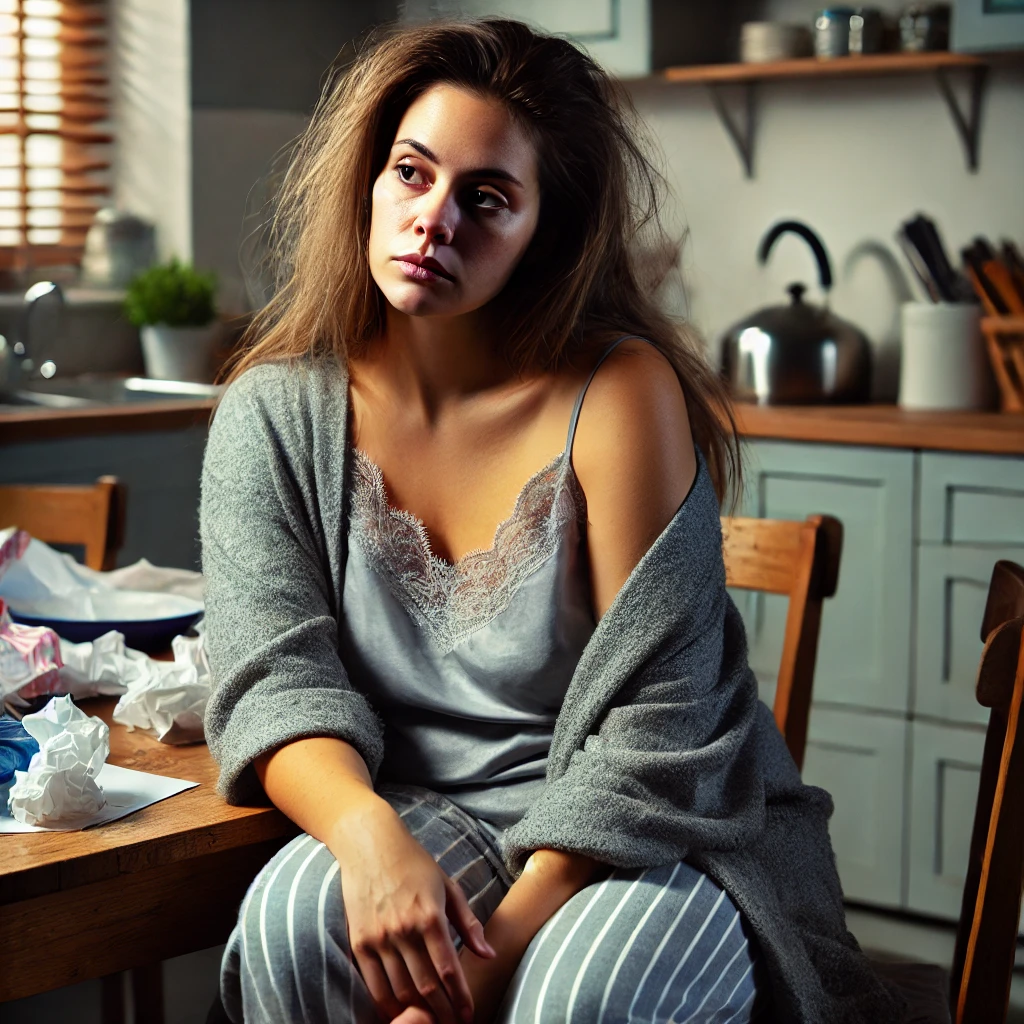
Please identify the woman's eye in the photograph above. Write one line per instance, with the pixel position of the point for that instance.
(487, 200)
(409, 174)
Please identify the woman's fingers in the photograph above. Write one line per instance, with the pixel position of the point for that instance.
(415, 1015)
(378, 983)
(445, 960)
(466, 922)
(397, 967)
(429, 986)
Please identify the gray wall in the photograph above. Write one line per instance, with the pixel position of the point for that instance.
(257, 70)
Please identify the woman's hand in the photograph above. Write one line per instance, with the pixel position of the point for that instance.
(398, 903)
(488, 980)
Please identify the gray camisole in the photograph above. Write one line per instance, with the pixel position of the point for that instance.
(468, 663)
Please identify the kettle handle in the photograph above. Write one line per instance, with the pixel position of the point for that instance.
(796, 228)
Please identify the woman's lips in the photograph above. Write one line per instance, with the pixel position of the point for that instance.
(420, 268)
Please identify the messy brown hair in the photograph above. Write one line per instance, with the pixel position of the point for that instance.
(587, 273)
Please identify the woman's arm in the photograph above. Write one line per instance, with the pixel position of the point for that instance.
(634, 459)
(397, 899)
(549, 880)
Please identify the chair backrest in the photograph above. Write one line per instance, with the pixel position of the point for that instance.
(801, 561)
(986, 937)
(91, 517)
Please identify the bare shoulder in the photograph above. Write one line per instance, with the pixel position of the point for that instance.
(634, 458)
(634, 422)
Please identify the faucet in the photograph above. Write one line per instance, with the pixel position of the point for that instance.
(22, 346)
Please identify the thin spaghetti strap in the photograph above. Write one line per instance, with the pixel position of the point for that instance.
(583, 390)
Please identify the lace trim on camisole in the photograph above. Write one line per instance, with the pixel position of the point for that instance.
(448, 601)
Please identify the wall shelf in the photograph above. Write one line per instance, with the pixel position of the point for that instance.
(741, 130)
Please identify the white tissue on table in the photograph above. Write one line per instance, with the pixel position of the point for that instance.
(170, 698)
(42, 574)
(167, 697)
(60, 784)
(37, 579)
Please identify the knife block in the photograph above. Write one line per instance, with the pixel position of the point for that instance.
(1004, 339)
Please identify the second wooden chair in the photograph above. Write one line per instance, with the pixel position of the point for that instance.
(801, 561)
(90, 517)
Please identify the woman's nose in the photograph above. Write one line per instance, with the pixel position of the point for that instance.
(437, 217)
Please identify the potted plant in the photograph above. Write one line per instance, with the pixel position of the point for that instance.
(173, 306)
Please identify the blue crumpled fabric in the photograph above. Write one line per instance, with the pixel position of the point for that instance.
(16, 750)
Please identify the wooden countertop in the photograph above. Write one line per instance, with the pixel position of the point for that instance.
(885, 426)
(32, 423)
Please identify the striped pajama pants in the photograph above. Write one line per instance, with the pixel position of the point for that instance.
(641, 945)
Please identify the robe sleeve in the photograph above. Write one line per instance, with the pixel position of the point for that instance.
(655, 752)
(271, 606)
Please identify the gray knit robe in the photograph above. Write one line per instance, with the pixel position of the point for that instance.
(662, 750)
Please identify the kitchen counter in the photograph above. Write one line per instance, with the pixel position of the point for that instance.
(885, 426)
(31, 423)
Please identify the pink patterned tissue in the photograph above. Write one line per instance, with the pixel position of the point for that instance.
(28, 654)
(13, 543)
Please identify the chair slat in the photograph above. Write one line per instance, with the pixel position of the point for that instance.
(801, 561)
(92, 516)
(990, 910)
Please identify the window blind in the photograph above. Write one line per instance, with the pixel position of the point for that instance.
(54, 128)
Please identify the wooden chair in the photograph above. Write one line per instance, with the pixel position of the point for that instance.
(801, 561)
(986, 936)
(91, 517)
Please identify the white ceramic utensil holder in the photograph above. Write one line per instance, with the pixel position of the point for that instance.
(179, 353)
(943, 363)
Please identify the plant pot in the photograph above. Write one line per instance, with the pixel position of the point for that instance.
(179, 353)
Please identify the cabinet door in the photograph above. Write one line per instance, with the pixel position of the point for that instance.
(972, 499)
(952, 589)
(616, 33)
(159, 468)
(946, 767)
(864, 646)
(860, 759)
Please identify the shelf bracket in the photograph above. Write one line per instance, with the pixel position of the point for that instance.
(742, 135)
(967, 124)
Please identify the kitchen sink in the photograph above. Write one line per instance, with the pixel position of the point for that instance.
(89, 392)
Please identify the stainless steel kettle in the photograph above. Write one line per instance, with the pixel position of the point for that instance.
(797, 353)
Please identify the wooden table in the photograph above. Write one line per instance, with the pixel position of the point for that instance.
(164, 881)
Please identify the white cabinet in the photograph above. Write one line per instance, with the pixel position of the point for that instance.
(864, 651)
(945, 769)
(952, 586)
(896, 740)
(972, 499)
(857, 757)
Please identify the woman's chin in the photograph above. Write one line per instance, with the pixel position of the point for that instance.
(420, 301)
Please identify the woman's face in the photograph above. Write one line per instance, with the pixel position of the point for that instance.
(456, 205)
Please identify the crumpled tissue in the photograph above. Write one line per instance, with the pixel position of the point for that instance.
(169, 697)
(29, 656)
(60, 784)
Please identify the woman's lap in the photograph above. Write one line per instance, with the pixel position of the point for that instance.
(661, 943)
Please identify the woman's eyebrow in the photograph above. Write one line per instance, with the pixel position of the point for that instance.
(480, 172)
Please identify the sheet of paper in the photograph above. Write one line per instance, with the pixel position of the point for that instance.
(126, 791)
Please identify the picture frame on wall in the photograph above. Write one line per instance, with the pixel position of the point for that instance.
(980, 25)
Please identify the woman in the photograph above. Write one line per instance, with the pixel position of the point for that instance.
(532, 773)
